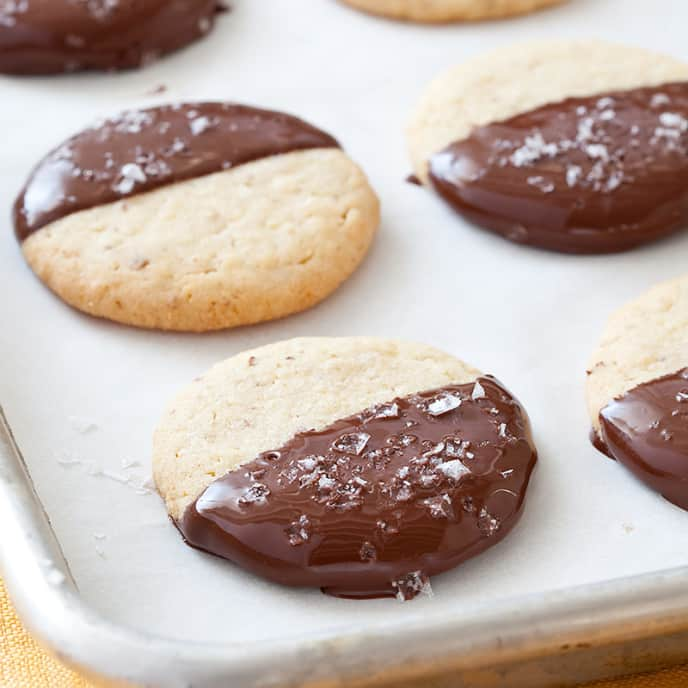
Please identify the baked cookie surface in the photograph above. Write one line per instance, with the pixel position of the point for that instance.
(53, 36)
(637, 389)
(440, 11)
(567, 146)
(196, 217)
(358, 465)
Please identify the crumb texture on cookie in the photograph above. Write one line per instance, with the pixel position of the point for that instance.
(258, 400)
(643, 341)
(439, 11)
(261, 241)
(53, 36)
(520, 78)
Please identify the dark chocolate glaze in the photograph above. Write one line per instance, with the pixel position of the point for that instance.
(586, 175)
(374, 504)
(646, 430)
(52, 36)
(141, 150)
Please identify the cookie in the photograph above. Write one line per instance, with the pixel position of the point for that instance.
(637, 389)
(578, 147)
(358, 465)
(52, 36)
(196, 217)
(440, 11)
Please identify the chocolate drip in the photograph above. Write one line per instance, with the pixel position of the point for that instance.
(52, 36)
(586, 175)
(646, 430)
(141, 150)
(374, 504)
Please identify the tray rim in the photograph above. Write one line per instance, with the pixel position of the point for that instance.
(621, 610)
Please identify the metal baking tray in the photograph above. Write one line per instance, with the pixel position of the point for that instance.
(594, 580)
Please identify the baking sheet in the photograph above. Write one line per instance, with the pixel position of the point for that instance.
(83, 395)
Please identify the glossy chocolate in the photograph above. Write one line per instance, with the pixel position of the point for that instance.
(52, 36)
(646, 430)
(586, 175)
(141, 150)
(376, 503)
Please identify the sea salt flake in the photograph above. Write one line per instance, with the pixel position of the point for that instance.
(443, 404)
(487, 523)
(199, 125)
(299, 531)
(256, 494)
(502, 430)
(533, 149)
(673, 120)
(456, 448)
(130, 122)
(368, 552)
(387, 411)
(454, 470)
(326, 484)
(573, 174)
(682, 397)
(130, 175)
(308, 463)
(440, 506)
(478, 392)
(435, 450)
(607, 115)
(666, 435)
(351, 443)
(605, 102)
(411, 585)
(404, 493)
(659, 99)
(597, 151)
(541, 184)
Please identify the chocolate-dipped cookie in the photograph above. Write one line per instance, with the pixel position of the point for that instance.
(53, 36)
(637, 389)
(579, 147)
(360, 466)
(196, 217)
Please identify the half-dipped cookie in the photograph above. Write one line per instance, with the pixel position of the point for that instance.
(637, 389)
(357, 465)
(53, 36)
(441, 11)
(196, 217)
(579, 147)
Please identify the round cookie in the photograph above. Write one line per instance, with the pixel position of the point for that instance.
(196, 217)
(637, 389)
(358, 465)
(441, 11)
(549, 143)
(53, 36)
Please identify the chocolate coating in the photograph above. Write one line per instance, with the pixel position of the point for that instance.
(586, 175)
(374, 504)
(646, 430)
(52, 36)
(141, 150)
